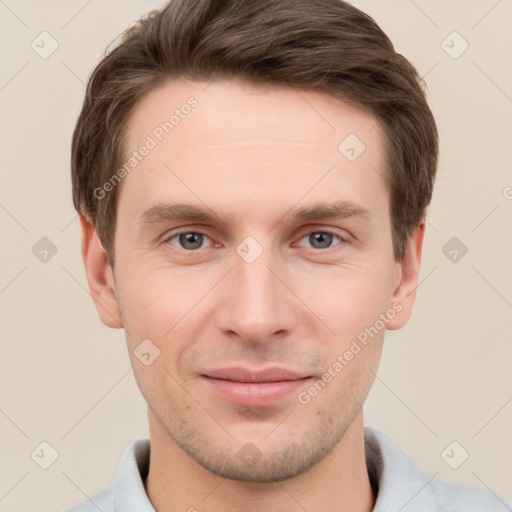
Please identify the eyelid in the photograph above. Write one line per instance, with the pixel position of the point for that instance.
(182, 230)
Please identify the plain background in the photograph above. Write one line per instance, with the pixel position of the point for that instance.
(66, 379)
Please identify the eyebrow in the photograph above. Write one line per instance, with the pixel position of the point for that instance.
(340, 209)
(165, 212)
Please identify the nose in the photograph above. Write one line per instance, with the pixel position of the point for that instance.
(258, 306)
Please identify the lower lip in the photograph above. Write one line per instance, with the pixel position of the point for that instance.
(255, 394)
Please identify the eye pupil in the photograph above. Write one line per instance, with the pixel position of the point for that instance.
(320, 240)
(191, 241)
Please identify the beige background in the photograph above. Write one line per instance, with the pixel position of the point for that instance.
(66, 379)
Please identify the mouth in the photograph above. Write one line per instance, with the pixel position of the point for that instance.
(254, 388)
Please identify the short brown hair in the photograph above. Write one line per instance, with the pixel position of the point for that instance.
(324, 45)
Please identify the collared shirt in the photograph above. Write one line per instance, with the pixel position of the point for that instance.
(399, 486)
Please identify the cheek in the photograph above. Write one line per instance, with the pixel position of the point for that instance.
(155, 301)
(348, 299)
(166, 308)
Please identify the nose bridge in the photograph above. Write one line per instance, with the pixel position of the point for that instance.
(256, 281)
(257, 304)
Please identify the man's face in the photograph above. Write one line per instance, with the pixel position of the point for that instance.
(257, 286)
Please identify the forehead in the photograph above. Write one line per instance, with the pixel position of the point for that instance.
(228, 142)
(225, 112)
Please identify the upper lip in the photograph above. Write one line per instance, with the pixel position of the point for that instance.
(241, 374)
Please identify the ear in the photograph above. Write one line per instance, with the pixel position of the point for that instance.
(407, 280)
(99, 275)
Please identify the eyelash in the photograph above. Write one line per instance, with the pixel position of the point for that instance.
(342, 240)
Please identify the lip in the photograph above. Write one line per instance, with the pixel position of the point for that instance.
(254, 388)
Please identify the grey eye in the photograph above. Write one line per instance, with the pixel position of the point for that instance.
(189, 241)
(320, 239)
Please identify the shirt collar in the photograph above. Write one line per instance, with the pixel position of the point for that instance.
(400, 486)
(129, 492)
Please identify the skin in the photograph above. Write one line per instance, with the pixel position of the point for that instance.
(299, 305)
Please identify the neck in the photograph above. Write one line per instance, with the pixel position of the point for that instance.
(339, 482)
